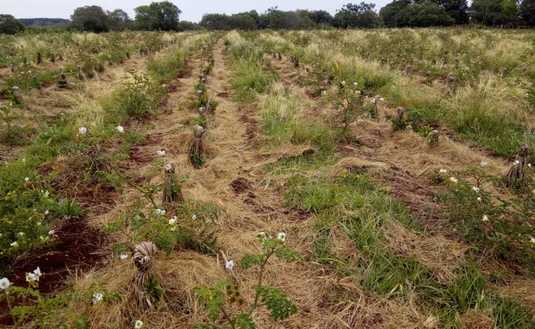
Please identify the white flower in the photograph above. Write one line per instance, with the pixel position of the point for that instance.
(123, 256)
(529, 165)
(479, 199)
(26, 179)
(120, 129)
(51, 232)
(199, 91)
(21, 234)
(485, 218)
(161, 153)
(4, 284)
(201, 109)
(262, 235)
(229, 265)
(454, 180)
(37, 272)
(443, 171)
(97, 297)
(343, 83)
(160, 212)
(138, 324)
(173, 220)
(14, 244)
(32, 277)
(47, 212)
(483, 163)
(355, 83)
(281, 236)
(82, 130)
(168, 167)
(475, 189)
(517, 162)
(194, 217)
(531, 239)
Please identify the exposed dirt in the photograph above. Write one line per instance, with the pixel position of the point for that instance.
(76, 247)
(240, 185)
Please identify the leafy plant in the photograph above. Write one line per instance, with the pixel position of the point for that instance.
(224, 302)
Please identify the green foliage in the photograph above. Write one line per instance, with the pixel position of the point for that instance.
(158, 16)
(276, 302)
(223, 302)
(90, 19)
(138, 99)
(491, 12)
(249, 79)
(9, 25)
(493, 228)
(167, 68)
(361, 15)
(425, 13)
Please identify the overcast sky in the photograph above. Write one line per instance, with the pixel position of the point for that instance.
(192, 9)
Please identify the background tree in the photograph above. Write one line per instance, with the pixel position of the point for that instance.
(321, 17)
(158, 16)
(495, 12)
(357, 15)
(118, 20)
(9, 25)
(427, 13)
(419, 13)
(393, 14)
(527, 12)
(91, 19)
(278, 19)
(187, 26)
(456, 9)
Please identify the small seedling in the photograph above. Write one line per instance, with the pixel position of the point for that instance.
(224, 301)
(196, 151)
(399, 121)
(433, 138)
(172, 192)
(516, 174)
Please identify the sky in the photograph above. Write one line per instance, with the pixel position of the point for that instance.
(192, 10)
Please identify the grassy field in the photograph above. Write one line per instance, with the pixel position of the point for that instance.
(303, 179)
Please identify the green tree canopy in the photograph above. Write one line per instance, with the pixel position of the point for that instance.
(91, 19)
(527, 12)
(118, 20)
(495, 12)
(9, 25)
(158, 16)
(357, 15)
(417, 13)
(456, 9)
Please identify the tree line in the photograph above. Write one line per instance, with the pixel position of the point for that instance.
(164, 16)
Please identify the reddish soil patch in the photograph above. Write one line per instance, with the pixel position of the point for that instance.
(78, 247)
(139, 154)
(251, 126)
(240, 185)
(257, 207)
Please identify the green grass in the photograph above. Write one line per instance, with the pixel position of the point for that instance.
(248, 80)
(356, 206)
